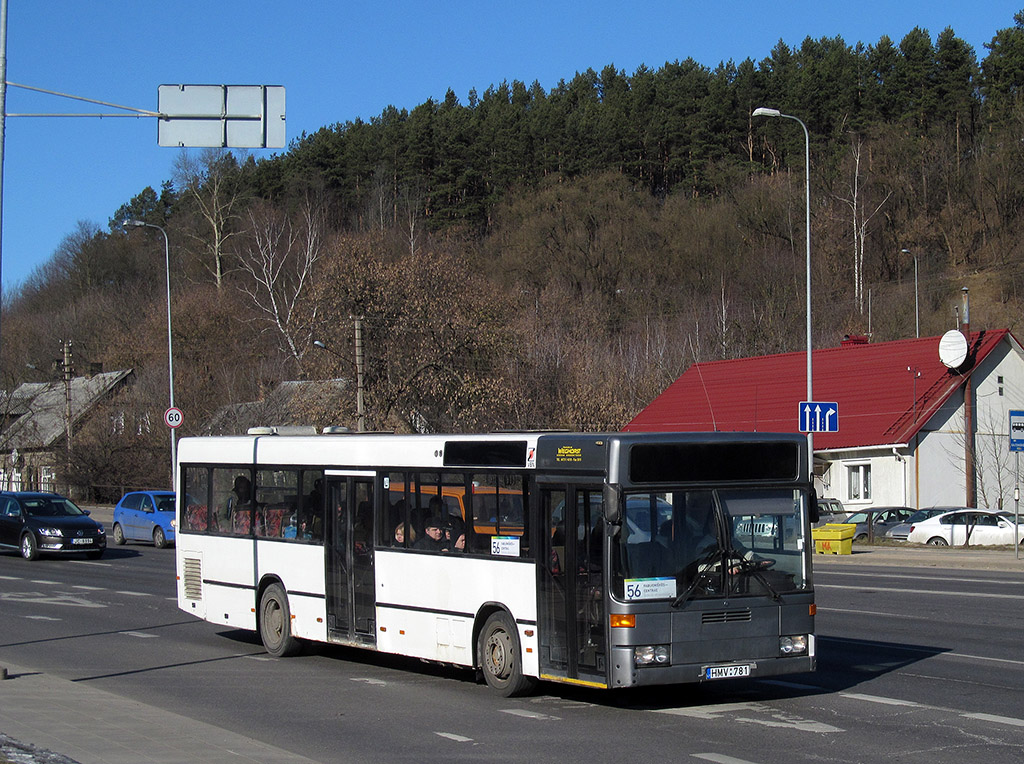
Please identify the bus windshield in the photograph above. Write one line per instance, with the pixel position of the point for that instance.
(694, 544)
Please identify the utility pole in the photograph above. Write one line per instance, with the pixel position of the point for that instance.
(67, 413)
(360, 410)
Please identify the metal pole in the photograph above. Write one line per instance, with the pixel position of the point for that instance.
(3, 122)
(1016, 507)
(807, 238)
(766, 112)
(170, 352)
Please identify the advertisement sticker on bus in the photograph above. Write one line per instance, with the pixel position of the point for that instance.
(650, 588)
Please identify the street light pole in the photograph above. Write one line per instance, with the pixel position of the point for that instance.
(170, 354)
(764, 112)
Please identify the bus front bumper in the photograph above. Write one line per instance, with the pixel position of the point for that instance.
(625, 674)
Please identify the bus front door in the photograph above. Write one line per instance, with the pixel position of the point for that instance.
(573, 641)
(349, 551)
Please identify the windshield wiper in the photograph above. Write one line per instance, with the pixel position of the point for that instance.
(700, 572)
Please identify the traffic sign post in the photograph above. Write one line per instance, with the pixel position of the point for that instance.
(173, 417)
(1016, 446)
(818, 416)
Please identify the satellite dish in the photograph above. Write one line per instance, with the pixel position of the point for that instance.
(953, 349)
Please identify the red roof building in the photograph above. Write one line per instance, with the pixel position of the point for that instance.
(892, 397)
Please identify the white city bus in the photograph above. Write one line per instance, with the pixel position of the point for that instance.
(610, 560)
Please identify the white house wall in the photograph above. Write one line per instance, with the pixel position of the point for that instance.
(930, 472)
(890, 479)
(941, 450)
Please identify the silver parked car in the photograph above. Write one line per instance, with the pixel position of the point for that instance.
(830, 511)
(884, 518)
(901, 531)
(973, 527)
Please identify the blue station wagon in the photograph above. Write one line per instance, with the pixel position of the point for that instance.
(145, 516)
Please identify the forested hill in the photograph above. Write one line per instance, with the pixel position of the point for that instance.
(533, 258)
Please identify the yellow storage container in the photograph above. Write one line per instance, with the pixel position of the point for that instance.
(834, 538)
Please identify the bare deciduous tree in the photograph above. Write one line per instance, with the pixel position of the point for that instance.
(206, 179)
(278, 257)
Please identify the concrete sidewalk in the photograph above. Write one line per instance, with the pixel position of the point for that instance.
(96, 727)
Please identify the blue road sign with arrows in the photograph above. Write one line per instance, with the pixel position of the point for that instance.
(818, 416)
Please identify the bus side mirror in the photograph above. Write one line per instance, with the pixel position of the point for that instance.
(612, 504)
(814, 513)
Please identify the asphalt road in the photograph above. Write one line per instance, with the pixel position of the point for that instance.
(916, 664)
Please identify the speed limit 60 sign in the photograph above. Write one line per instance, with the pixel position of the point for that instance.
(173, 417)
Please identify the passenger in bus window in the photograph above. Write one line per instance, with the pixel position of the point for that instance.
(240, 498)
(455, 534)
(400, 535)
(433, 535)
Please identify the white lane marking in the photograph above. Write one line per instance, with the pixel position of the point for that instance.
(719, 758)
(1010, 720)
(370, 681)
(453, 736)
(947, 655)
(775, 718)
(139, 634)
(135, 594)
(42, 618)
(923, 591)
(10, 578)
(529, 714)
(880, 699)
(997, 719)
(43, 581)
(46, 599)
(875, 612)
(89, 588)
(256, 657)
(792, 685)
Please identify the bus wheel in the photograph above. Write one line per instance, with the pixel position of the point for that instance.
(500, 659)
(276, 623)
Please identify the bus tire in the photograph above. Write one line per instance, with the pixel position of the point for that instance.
(500, 657)
(276, 623)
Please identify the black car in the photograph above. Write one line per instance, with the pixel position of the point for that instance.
(46, 523)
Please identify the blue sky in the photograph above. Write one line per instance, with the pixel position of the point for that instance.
(340, 60)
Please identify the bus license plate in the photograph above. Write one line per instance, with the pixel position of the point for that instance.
(726, 672)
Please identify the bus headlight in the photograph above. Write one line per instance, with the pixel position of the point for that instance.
(650, 655)
(795, 645)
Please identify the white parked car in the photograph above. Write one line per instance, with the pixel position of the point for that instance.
(973, 527)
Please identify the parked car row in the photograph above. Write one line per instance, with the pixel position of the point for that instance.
(937, 526)
(37, 523)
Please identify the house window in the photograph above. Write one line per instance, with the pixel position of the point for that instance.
(859, 482)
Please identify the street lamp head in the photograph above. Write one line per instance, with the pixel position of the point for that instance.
(765, 112)
(905, 251)
(320, 344)
(133, 223)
